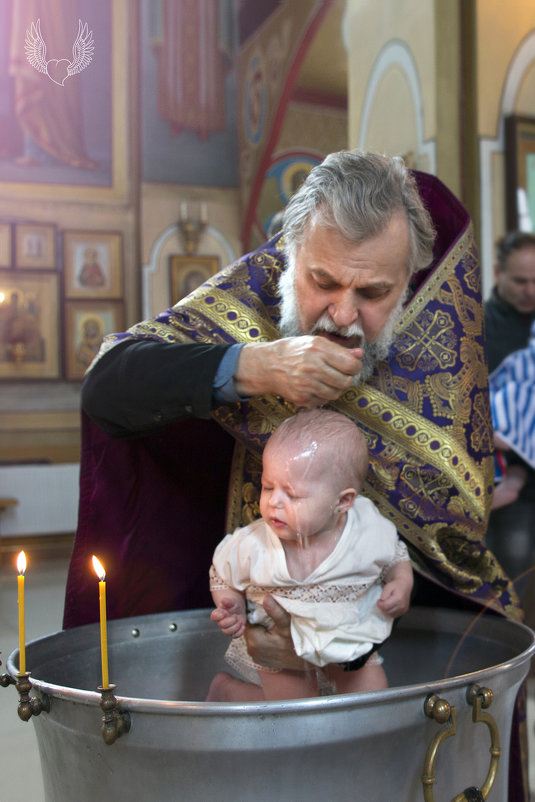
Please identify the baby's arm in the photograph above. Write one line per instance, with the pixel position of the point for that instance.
(229, 614)
(396, 595)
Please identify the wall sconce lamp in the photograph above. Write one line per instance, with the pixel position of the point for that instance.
(191, 230)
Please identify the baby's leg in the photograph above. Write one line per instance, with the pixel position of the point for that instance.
(226, 688)
(288, 684)
(371, 677)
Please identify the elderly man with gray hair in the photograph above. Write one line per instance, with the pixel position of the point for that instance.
(348, 307)
(368, 303)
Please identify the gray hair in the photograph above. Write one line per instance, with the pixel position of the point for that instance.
(357, 193)
(514, 241)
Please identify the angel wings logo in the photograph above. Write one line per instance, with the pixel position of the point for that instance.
(58, 70)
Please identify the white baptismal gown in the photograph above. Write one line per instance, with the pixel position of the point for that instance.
(334, 613)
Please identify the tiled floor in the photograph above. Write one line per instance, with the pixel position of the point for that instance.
(20, 771)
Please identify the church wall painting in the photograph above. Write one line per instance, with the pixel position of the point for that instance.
(29, 325)
(189, 272)
(35, 246)
(85, 325)
(72, 140)
(283, 177)
(92, 264)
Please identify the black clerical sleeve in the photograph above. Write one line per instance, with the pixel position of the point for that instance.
(139, 386)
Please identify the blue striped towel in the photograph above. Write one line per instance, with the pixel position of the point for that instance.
(512, 400)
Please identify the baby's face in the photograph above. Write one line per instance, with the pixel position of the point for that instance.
(299, 497)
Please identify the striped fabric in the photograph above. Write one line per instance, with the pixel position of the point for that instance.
(512, 398)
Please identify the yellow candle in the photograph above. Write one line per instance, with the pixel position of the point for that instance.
(21, 567)
(100, 572)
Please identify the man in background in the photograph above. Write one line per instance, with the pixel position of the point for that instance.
(509, 315)
(510, 310)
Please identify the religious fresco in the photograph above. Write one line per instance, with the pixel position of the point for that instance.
(188, 98)
(283, 177)
(55, 77)
(268, 69)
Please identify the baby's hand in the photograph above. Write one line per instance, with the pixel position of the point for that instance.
(230, 616)
(395, 598)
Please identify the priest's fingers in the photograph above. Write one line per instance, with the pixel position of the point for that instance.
(274, 648)
(305, 370)
(281, 619)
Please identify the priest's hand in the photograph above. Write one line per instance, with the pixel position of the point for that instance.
(307, 370)
(274, 648)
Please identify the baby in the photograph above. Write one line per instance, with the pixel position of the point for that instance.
(324, 553)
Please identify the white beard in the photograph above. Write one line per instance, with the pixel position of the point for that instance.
(374, 352)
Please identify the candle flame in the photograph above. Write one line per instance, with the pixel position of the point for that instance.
(21, 562)
(99, 569)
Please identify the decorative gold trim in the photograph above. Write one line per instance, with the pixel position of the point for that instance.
(245, 320)
(402, 417)
(235, 496)
(436, 279)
